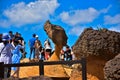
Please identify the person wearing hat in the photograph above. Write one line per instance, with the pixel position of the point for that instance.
(38, 47)
(48, 49)
(5, 53)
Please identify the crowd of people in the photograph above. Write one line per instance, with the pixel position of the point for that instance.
(67, 54)
(37, 50)
(12, 50)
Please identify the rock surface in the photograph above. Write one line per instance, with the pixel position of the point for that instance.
(56, 33)
(58, 36)
(112, 69)
(97, 42)
(98, 46)
(77, 75)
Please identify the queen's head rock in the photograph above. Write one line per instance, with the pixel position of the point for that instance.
(98, 46)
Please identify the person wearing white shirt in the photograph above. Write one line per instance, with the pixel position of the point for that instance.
(48, 49)
(5, 53)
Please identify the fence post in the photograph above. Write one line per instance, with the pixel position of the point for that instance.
(41, 67)
(84, 73)
(1, 70)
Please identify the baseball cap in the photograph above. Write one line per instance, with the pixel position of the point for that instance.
(36, 36)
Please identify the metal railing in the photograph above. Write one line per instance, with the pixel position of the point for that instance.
(41, 64)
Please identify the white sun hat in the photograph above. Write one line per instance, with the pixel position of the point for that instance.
(5, 37)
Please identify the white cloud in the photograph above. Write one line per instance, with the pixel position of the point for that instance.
(77, 30)
(105, 10)
(79, 16)
(115, 28)
(112, 19)
(75, 17)
(33, 12)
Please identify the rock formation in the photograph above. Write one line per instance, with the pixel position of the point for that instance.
(98, 46)
(58, 36)
(56, 33)
(77, 75)
(112, 69)
(97, 42)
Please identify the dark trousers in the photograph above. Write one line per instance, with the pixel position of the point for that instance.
(9, 72)
(32, 50)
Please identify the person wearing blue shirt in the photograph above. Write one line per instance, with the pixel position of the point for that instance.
(32, 46)
(16, 55)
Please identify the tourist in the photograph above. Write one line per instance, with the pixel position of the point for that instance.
(72, 53)
(42, 54)
(62, 55)
(11, 35)
(48, 49)
(16, 57)
(21, 42)
(0, 37)
(67, 53)
(32, 46)
(38, 47)
(5, 53)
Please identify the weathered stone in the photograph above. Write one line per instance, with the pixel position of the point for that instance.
(77, 75)
(56, 33)
(97, 42)
(98, 46)
(58, 36)
(112, 69)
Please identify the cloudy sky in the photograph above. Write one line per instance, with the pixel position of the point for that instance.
(28, 16)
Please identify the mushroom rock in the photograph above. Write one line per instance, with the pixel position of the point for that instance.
(58, 36)
(98, 46)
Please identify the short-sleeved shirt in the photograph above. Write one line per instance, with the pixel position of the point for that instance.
(16, 55)
(6, 55)
(32, 42)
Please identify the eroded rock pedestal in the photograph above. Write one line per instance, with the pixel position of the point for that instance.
(98, 46)
(58, 36)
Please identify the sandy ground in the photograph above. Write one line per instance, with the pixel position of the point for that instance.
(54, 71)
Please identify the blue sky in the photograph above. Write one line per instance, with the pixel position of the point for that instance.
(29, 16)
